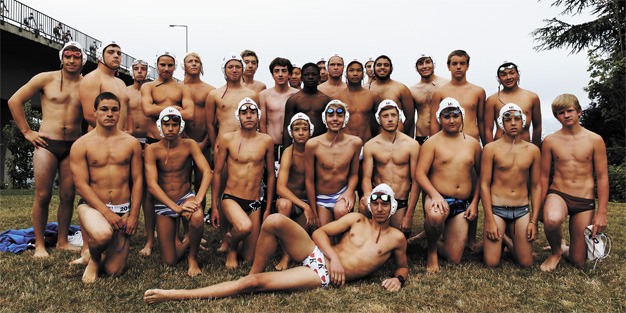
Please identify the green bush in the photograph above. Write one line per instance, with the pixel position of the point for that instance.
(617, 182)
(20, 164)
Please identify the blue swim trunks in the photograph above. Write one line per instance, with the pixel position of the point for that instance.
(162, 209)
(328, 201)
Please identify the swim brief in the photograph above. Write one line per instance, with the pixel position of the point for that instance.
(316, 262)
(162, 209)
(402, 203)
(328, 201)
(150, 140)
(456, 206)
(60, 148)
(421, 139)
(119, 209)
(575, 205)
(510, 213)
(142, 142)
(277, 155)
(248, 206)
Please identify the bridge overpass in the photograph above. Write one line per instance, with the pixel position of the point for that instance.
(30, 45)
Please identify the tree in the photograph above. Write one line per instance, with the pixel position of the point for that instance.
(20, 164)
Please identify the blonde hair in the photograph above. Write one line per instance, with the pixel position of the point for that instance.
(563, 102)
(196, 55)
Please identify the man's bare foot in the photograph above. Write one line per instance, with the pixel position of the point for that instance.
(432, 263)
(417, 237)
(91, 273)
(67, 246)
(40, 252)
(551, 262)
(225, 243)
(283, 264)
(147, 250)
(156, 295)
(548, 248)
(231, 260)
(85, 256)
(194, 268)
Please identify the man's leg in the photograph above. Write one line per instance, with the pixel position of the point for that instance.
(45, 169)
(433, 226)
(66, 205)
(196, 229)
(554, 214)
(249, 242)
(149, 218)
(522, 248)
(324, 215)
(455, 237)
(171, 248)
(577, 252)
(295, 240)
(242, 226)
(117, 252)
(492, 252)
(99, 234)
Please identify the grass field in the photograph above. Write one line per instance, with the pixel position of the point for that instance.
(51, 285)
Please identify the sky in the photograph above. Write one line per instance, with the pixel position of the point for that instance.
(491, 31)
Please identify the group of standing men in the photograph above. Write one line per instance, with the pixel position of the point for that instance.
(329, 149)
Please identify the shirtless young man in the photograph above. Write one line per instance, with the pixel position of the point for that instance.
(103, 79)
(60, 127)
(221, 103)
(157, 95)
(309, 101)
(197, 128)
(245, 153)
(422, 93)
(295, 79)
(365, 245)
(140, 121)
(447, 170)
(273, 100)
(104, 162)
(578, 155)
(290, 184)
(168, 174)
(321, 65)
(251, 61)
(508, 166)
(390, 89)
(471, 97)
(362, 106)
(332, 165)
(391, 158)
(508, 77)
(334, 87)
(369, 71)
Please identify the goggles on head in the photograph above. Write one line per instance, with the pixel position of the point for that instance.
(249, 106)
(382, 197)
(174, 118)
(509, 114)
(70, 53)
(454, 113)
(331, 111)
(507, 67)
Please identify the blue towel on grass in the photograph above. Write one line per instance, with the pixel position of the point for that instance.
(17, 240)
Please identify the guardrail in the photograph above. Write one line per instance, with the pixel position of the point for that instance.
(31, 20)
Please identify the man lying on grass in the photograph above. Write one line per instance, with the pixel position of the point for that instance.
(364, 247)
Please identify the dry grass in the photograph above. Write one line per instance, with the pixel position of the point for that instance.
(28, 285)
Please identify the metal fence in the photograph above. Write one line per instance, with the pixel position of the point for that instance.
(42, 25)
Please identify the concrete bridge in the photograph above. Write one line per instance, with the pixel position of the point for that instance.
(30, 43)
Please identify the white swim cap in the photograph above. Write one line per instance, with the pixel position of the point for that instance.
(76, 45)
(168, 112)
(300, 117)
(233, 56)
(384, 189)
(510, 107)
(103, 46)
(389, 103)
(165, 53)
(449, 103)
(336, 102)
(251, 102)
(334, 56)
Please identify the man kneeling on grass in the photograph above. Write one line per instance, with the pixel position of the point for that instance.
(364, 247)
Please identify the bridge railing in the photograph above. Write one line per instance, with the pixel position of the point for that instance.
(29, 19)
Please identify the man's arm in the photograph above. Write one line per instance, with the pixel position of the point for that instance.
(546, 166)
(290, 106)
(220, 161)
(16, 105)
(271, 176)
(309, 173)
(203, 165)
(407, 221)
(408, 107)
(536, 120)
(89, 89)
(472, 212)
(152, 176)
(147, 103)
(486, 174)
(186, 104)
(374, 126)
(434, 106)
(402, 268)
(424, 162)
(353, 178)
(480, 115)
(136, 172)
(535, 194)
(284, 192)
(368, 168)
(263, 106)
(210, 117)
(489, 118)
(80, 172)
(600, 167)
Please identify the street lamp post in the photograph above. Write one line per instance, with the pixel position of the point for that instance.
(186, 36)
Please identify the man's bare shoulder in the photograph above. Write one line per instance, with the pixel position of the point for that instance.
(265, 138)
(475, 88)
(217, 91)
(354, 140)
(405, 140)
(313, 142)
